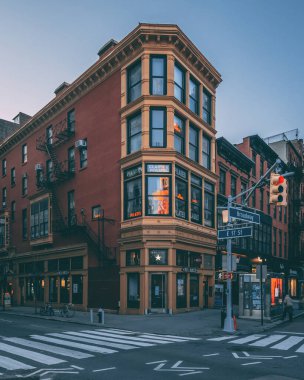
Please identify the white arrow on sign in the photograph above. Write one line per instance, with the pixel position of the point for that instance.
(177, 368)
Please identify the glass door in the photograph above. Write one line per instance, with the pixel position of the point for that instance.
(158, 291)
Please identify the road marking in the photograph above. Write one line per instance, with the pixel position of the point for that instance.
(103, 369)
(86, 338)
(11, 364)
(160, 361)
(211, 354)
(163, 338)
(219, 339)
(75, 366)
(300, 349)
(247, 339)
(124, 332)
(289, 332)
(288, 343)
(290, 357)
(5, 320)
(129, 340)
(189, 373)
(46, 347)
(251, 363)
(266, 341)
(82, 346)
(172, 336)
(41, 358)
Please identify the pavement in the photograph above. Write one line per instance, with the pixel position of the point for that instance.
(195, 323)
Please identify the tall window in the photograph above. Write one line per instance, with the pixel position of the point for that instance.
(71, 160)
(24, 154)
(253, 197)
(134, 133)
(158, 128)
(24, 184)
(254, 166)
(194, 95)
(49, 135)
(4, 167)
(181, 193)
(209, 204)
(196, 199)
(13, 177)
(207, 106)
(280, 243)
(261, 199)
(285, 245)
(83, 153)
(133, 281)
(285, 215)
(233, 186)
(274, 211)
(134, 81)
(71, 208)
(274, 241)
(268, 204)
(24, 224)
(39, 219)
(206, 152)
(261, 166)
(280, 213)
(179, 83)
(158, 189)
(133, 192)
(179, 134)
(158, 75)
(222, 182)
(243, 188)
(193, 143)
(13, 210)
(71, 121)
(49, 170)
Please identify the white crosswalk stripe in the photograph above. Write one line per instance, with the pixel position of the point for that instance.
(247, 339)
(288, 343)
(267, 341)
(76, 345)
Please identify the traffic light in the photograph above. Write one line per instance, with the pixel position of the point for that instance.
(278, 190)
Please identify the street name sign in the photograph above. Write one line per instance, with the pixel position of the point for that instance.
(238, 213)
(234, 233)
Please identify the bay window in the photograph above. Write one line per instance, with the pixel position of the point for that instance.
(196, 199)
(134, 81)
(134, 133)
(133, 192)
(207, 106)
(158, 127)
(179, 83)
(193, 143)
(158, 190)
(179, 134)
(209, 204)
(181, 193)
(207, 152)
(193, 95)
(158, 75)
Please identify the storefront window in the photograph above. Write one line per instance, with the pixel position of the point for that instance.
(133, 257)
(181, 290)
(133, 192)
(181, 193)
(276, 291)
(158, 256)
(53, 289)
(194, 289)
(292, 287)
(133, 300)
(77, 289)
(158, 200)
(64, 289)
(181, 258)
(209, 204)
(196, 199)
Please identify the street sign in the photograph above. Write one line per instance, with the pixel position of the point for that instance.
(238, 213)
(234, 233)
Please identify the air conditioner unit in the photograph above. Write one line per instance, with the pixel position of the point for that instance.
(38, 167)
(80, 144)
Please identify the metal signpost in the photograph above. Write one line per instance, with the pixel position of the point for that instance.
(261, 274)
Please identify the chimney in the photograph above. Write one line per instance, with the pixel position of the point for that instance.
(60, 88)
(106, 48)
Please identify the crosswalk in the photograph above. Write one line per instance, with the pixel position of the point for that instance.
(279, 341)
(59, 348)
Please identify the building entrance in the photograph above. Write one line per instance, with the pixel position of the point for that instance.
(158, 292)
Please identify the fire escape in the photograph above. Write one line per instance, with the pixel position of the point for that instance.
(56, 171)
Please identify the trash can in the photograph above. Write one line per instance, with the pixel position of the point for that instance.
(223, 316)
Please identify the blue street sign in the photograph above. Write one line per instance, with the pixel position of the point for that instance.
(238, 213)
(234, 233)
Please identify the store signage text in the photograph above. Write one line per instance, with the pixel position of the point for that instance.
(189, 270)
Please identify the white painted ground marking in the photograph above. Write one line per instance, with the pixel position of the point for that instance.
(5, 320)
(288, 343)
(172, 336)
(88, 338)
(266, 341)
(252, 363)
(289, 332)
(254, 357)
(103, 369)
(212, 354)
(290, 357)
(50, 371)
(163, 338)
(40, 358)
(124, 332)
(129, 340)
(300, 349)
(45, 369)
(76, 367)
(160, 361)
(189, 373)
(219, 339)
(11, 364)
(46, 347)
(67, 343)
(247, 339)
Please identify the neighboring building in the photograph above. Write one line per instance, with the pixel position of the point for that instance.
(290, 150)
(109, 191)
(8, 127)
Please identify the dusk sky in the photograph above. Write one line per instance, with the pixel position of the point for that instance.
(256, 45)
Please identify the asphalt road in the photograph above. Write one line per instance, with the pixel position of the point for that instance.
(38, 348)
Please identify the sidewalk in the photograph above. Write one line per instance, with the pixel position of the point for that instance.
(196, 324)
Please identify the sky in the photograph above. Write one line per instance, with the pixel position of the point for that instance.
(256, 45)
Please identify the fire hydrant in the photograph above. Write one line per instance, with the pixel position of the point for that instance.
(100, 315)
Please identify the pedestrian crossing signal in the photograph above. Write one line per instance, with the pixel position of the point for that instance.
(278, 190)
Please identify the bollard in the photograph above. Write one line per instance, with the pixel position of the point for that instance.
(91, 316)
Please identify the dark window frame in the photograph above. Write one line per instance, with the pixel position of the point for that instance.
(169, 196)
(24, 155)
(185, 202)
(83, 156)
(137, 177)
(183, 87)
(207, 109)
(222, 182)
(71, 122)
(180, 135)
(193, 146)
(233, 190)
(197, 187)
(164, 128)
(164, 58)
(131, 137)
(71, 210)
(133, 303)
(24, 224)
(206, 156)
(129, 85)
(211, 194)
(13, 211)
(197, 99)
(4, 167)
(13, 177)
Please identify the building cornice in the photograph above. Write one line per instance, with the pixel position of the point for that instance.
(109, 63)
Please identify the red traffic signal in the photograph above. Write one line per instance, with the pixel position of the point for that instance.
(278, 190)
